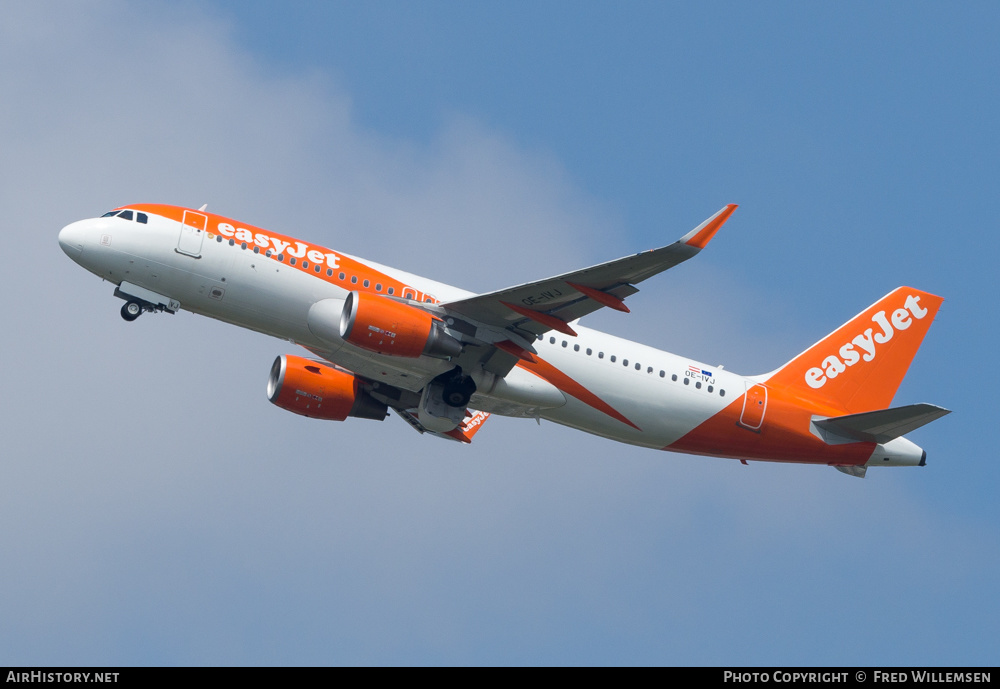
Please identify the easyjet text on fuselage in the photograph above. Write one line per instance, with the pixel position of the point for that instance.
(294, 248)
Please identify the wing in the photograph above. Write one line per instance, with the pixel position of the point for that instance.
(508, 320)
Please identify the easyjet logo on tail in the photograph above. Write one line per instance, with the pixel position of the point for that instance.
(864, 347)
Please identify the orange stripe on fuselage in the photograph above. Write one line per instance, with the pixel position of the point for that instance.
(784, 436)
(307, 255)
(547, 371)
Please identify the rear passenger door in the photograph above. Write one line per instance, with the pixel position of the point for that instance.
(754, 406)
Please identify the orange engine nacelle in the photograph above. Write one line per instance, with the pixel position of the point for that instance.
(320, 391)
(386, 326)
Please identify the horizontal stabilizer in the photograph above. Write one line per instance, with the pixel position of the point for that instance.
(883, 425)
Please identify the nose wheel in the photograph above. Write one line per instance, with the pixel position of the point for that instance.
(131, 310)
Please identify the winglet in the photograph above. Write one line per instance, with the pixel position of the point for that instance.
(700, 236)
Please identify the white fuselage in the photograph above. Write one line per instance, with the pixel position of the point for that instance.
(592, 381)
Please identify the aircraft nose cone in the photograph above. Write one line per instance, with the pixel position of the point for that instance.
(71, 240)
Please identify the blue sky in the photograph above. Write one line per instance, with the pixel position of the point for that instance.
(158, 510)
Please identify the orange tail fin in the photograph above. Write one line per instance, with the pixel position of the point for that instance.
(859, 366)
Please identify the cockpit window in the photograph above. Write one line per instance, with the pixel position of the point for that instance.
(127, 215)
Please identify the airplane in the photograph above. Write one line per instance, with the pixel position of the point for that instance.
(444, 359)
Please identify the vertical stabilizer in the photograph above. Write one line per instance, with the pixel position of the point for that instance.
(859, 366)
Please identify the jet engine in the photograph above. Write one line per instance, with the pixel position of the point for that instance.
(320, 391)
(386, 326)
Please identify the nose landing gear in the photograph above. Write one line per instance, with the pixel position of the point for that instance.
(139, 299)
(131, 310)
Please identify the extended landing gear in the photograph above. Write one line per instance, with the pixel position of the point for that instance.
(444, 399)
(458, 390)
(131, 310)
(139, 299)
